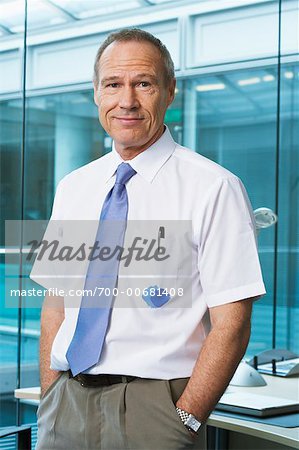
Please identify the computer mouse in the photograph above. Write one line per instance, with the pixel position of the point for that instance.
(246, 375)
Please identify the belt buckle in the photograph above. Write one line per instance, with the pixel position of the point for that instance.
(81, 380)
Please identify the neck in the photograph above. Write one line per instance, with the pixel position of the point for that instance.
(127, 153)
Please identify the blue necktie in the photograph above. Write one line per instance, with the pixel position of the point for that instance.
(93, 319)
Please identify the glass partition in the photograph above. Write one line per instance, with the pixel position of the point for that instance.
(286, 331)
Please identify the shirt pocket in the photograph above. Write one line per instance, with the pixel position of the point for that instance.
(157, 270)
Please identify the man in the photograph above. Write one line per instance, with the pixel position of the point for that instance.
(166, 371)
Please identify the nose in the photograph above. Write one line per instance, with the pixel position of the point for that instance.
(128, 98)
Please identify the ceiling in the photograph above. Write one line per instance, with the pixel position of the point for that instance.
(49, 13)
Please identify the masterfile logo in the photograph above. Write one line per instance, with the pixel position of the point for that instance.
(155, 262)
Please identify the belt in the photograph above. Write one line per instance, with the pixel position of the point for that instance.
(87, 380)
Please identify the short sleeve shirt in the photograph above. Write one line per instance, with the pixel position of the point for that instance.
(172, 184)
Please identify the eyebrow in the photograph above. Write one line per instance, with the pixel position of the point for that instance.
(139, 75)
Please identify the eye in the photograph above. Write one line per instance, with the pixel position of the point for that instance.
(144, 84)
(113, 85)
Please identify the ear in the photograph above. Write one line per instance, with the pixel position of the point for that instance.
(171, 91)
(95, 94)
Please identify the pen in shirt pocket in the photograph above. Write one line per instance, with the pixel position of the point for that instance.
(161, 235)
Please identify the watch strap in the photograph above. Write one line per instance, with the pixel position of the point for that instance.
(183, 414)
(188, 420)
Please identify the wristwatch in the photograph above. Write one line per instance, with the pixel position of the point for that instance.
(188, 420)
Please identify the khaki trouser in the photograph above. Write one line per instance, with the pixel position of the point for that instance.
(138, 415)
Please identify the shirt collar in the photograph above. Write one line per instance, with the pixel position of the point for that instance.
(147, 163)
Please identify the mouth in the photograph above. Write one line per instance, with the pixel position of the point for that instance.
(129, 120)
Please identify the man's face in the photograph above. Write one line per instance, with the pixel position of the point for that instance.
(132, 95)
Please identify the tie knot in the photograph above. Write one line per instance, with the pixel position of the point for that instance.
(124, 173)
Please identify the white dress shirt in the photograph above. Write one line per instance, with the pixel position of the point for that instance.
(172, 183)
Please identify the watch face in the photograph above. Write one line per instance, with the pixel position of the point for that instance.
(192, 423)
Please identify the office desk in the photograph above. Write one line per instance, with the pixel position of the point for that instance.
(30, 393)
(258, 435)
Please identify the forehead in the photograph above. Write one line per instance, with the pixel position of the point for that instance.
(131, 56)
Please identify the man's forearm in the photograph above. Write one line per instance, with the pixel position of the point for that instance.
(51, 318)
(219, 357)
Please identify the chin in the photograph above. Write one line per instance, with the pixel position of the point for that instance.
(129, 140)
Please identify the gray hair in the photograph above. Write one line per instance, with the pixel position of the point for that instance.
(137, 35)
